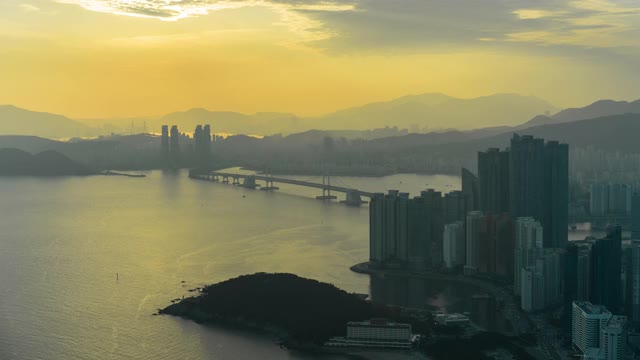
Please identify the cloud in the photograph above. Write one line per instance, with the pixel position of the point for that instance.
(29, 8)
(172, 10)
(365, 25)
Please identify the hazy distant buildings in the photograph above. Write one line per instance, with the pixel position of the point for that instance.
(202, 145)
(635, 216)
(164, 143)
(174, 146)
(610, 199)
(599, 204)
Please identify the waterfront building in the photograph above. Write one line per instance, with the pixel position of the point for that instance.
(375, 333)
(493, 181)
(455, 207)
(470, 189)
(614, 338)
(425, 228)
(376, 228)
(454, 244)
(587, 321)
(606, 258)
(406, 232)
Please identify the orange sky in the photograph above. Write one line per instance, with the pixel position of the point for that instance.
(121, 58)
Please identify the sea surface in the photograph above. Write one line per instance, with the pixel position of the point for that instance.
(86, 261)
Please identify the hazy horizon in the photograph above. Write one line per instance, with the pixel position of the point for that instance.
(120, 59)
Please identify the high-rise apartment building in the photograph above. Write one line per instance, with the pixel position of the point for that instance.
(493, 181)
(606, 267)
(587, 321)
(454, 244)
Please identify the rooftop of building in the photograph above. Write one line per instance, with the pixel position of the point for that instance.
(590, 308)
(378, 323)
(617, 322)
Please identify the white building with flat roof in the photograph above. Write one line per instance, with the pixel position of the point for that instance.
(375, 333)
(587, 321)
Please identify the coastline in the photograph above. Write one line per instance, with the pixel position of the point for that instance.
(511, 310)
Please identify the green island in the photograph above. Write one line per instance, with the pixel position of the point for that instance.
(303, 314)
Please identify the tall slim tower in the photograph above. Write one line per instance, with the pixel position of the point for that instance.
(555, 217)
(164, 144)
(493, 181)
(606, 263)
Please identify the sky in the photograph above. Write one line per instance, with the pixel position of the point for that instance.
(130, 58)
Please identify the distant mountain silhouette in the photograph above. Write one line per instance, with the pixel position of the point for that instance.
(598, 109)
(437, 111)
(17, 121)
(14, 162)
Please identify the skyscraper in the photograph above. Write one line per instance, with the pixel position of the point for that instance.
(555, 217)
(606, 257)
(470, 189)
(526, 177)
(454, 244)
(493, 181)
(376, 228)
(475, 223)
(539, 185)
(528, 240)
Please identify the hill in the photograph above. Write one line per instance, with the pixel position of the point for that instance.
(437, 111)
(17, 121)
(301, 310)
(14, 162)
(598, 109)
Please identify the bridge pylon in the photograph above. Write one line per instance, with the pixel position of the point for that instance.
(269, 182)
(326, 188)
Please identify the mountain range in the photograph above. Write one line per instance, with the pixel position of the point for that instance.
(433, 113)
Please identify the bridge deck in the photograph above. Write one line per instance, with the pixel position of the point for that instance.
(291, 181)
